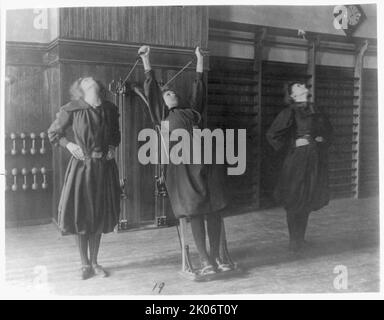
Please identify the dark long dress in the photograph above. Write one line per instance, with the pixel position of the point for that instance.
(303, 183)
(90, 198)
(194, 189)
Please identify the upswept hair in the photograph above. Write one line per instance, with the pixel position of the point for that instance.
(288, 91)
(76, 92)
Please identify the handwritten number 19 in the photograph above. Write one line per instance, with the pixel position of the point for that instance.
(160, 286)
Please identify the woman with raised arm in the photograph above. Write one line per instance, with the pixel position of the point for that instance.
(90, 198)
(194, 190)
(303, 184)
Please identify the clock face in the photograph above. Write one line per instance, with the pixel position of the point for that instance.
(354, 15)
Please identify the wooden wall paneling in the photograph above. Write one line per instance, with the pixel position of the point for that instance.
(334, 97)
(257, 111)
(232, 104)
(26, 111)
(369, 147)
(152, 25)
(311, 68)
(59, 156)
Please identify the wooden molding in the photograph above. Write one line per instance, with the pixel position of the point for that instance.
(26, 54)
(284, 32)
(94, 52)
(285, 38)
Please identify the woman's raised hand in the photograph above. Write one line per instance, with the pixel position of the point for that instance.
(198, 53)
(111, 153)
(200, 63)
(144, 55)
(144, 51)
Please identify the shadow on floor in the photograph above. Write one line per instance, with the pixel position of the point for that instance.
(253, 256)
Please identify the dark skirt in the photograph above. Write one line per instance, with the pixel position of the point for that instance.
(195, 189)
(90, 198)
(303, 183)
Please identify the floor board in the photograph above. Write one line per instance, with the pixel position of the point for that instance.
(344, 233)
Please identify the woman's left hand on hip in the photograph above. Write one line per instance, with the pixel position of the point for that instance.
(111, 153)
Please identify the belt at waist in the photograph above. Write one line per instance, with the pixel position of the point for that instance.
(94, 155)
(303, 140)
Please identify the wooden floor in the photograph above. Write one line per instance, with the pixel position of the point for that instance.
(345, 233)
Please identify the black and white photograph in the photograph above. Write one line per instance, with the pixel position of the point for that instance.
(190, 149)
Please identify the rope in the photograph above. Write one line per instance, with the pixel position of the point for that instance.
(157, 127)
(130, 71)
(178, 73)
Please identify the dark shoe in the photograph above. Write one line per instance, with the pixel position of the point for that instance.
(222, 266)
(86, 272)
(99, 271)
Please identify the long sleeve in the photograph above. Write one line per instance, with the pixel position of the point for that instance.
(279, 134)
(324, 128)
(115, 135)
(198, 94)
(153, 94)
(328, 129)
(57, 130)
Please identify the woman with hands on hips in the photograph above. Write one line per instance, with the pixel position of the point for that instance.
(90, 198)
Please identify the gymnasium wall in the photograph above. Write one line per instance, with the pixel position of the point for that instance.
(309, 18)
(317, 19)
(32, 25)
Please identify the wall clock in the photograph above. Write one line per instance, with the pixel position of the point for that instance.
(348, 18)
